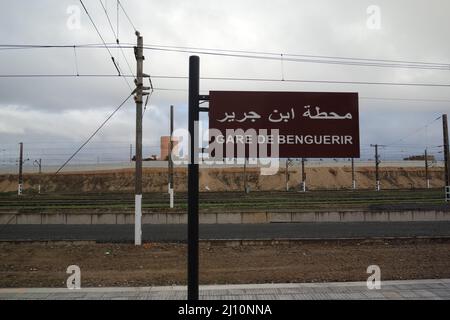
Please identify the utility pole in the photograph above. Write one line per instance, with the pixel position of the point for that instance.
(131, 152)
(39, 164)
(288, 162)
(20, 186)
(171, 159)
(303, 176)
(427, 177)
(446, 157)
(246, 189)
(138, 52)
(353, 175)
(377, 165)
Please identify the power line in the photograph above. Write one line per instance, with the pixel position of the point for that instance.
(414, 132)
(229, 79)
(325, 81)
(76, 60)
(309, 60)
(109, 20)
(278, 54)
(126, 15)
(277, 57)
(100, 35)
(116, 36)
(405, 99)
(95, 132)
(117, 18)
(104, 43)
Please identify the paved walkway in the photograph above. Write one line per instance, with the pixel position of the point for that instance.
(391, 290)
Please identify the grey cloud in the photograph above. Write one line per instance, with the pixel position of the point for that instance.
(411, 30)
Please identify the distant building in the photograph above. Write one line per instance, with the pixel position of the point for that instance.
(420, 158)
(165, 147)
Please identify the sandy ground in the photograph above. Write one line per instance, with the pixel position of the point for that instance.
(44, 265)
(225, 179)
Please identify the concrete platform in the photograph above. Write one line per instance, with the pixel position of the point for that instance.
(437, 289)
(94, 218)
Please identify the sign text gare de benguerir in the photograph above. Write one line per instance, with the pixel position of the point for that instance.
(302, 124)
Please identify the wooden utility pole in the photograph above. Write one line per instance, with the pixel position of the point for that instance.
(171, 159)
(138, 52)
(20, 186)
(427, 177)
(446, 157)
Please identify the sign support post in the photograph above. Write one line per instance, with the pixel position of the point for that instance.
(193, 175)
(446, 156)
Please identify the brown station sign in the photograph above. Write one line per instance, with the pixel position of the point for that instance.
(309, 124)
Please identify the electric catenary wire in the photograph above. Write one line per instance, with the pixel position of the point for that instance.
(95, 132)
(270, 56)
(116, 36)
(104, 43)
(414, 132)
(126, 15)
(445, 85)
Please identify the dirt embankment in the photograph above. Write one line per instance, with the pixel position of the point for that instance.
(44, 265)
(229, 179)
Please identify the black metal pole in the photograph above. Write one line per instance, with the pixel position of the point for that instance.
(446, 150)
(193, 183)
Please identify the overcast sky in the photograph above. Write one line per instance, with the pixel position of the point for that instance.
(53, 115)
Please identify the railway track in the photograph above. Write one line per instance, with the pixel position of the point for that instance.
(227, 200)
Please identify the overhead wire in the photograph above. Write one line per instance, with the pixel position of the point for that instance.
(414, 132)
(116, 36)
(76, 60)
(94, 133)
(104, 43)
(212, 78)
(126, 15)
(270, 56)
